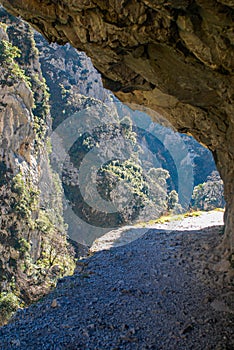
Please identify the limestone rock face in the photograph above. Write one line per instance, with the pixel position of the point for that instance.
(173, 57)
(31, 226)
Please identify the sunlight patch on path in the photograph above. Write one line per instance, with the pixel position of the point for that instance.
(127, 234)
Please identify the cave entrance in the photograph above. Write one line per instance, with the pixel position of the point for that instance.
(119, 168)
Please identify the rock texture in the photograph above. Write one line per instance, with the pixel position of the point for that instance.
(149, 294)
(173, 57)
(33, 247)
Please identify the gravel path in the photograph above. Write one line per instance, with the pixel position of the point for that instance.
(148, 294)
(127, 234)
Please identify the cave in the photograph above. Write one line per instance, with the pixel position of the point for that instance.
(174, 58)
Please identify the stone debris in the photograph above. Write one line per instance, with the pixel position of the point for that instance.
(148, 294)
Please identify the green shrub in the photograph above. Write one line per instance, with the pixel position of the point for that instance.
(24, 245)
(8, 54)
(9, 303)
(27, 197)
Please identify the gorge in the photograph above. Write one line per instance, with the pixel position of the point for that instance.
(42, 86)
(156, 285)
(172, 57)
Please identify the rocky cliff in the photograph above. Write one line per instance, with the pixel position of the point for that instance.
(70, 76)
(34, 251)
(173, 57)
(34, 248)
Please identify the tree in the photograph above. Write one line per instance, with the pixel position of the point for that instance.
(173, 203)
(209, 195)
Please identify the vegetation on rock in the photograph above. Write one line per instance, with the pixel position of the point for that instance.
(209, 195)
(33, 237)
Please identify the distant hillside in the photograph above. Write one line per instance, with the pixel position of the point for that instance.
(74, 86)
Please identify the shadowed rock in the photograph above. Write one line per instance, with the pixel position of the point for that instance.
(171, 57)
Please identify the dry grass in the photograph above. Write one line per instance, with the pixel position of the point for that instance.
(168, 218)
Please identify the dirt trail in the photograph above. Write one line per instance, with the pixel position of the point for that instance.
(127, 234)
(157, 292)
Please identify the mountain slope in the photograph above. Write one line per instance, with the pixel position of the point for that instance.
(33, 237)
